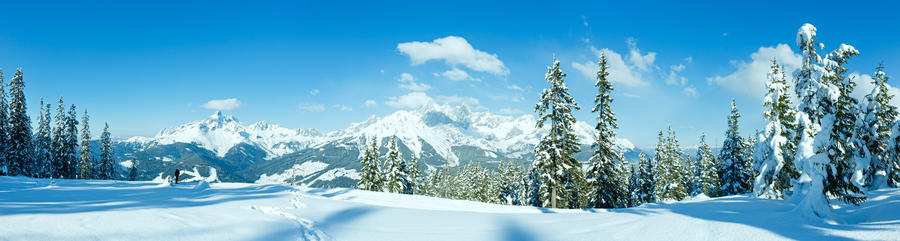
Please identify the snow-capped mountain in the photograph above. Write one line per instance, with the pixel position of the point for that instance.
(438, 135)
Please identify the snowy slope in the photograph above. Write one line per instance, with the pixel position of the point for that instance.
(36, 209)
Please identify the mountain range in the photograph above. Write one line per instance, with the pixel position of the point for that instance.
(223, 148)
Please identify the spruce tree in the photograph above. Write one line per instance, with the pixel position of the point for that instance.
(559, 172)
(132, 172)
(634, 186)
(893, 163)
(774, 155)
(647, 175)
(86, 161)
(60, 161)
(670, 158)
(70, 143)
(706, 179)
(4, 128)
(412, 180)
(43, 143)
(734, 172)
(19, 149)
(393, 179)
(878, 120)
(844, 149)
(605, 175)
(370, 172)
(107, 168)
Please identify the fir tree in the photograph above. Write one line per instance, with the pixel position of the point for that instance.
(774, 155)
(647, 175)
(61, 166)
(734, 172)
(706, 180)
(393, 180)
(370, 173)
(559, 173)
(43, 143)
(634, 186)
(669, 158)
(107, 168)
(878, 120)
(70, 143)
(19, 148)
(132, 172)
(893, 163)
(412, 180)
(86, 162)
(4, 128)
(605, 175)
(844, 148)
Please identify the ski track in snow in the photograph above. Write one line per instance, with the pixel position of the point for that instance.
(307, 230)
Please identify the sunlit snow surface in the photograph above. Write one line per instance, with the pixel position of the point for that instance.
(40, 209)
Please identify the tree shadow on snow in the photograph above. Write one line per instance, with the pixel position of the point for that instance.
(512, 231)
(34, 196)
(335, 220)
(777, 216)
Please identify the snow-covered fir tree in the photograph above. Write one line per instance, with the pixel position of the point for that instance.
(512, 184)
(734, 170)
(844, 149)
(70, 143)
(393, 165)
(812, 95)
(107, 169)
(878, 120)
(132, 172)
(670, 183)
(559, 172)
(411, 176)
(647, 175)
(86, 161)
(605, 176)
(370, 170)
(4, 127)
(705, 178)
(893, 163)
(634, 186)
(42, 143)
(774, 153)
(19, 149)
(62, 168)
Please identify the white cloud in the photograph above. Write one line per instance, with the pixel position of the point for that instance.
(224, 104)
(691, 91)
(509, 111)
(642, 62)
(342, 107)
(314, 92)
(674, 78)
(416, 99)
(631, 95)
(514, 87)
(864, 87)
(370, 103)
(312, 107)
(454, 51)
(619, 71)
(456, 100)
(750, 77)
(407, 81)
(411, 100)
(457, 75)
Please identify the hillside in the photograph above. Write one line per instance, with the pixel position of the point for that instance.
(41, 209)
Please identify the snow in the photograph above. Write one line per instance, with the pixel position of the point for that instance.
(34, 209)
(301, 171)
(127, 163)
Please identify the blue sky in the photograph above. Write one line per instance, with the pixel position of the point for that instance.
(146, 66)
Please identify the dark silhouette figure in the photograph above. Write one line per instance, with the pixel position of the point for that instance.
(177, 173)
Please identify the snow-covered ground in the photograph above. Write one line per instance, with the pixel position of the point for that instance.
(38, 209)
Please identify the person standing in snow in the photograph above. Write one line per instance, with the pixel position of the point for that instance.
(177, 173)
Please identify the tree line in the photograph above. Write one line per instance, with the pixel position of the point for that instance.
(49, 152)
(828, 146)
